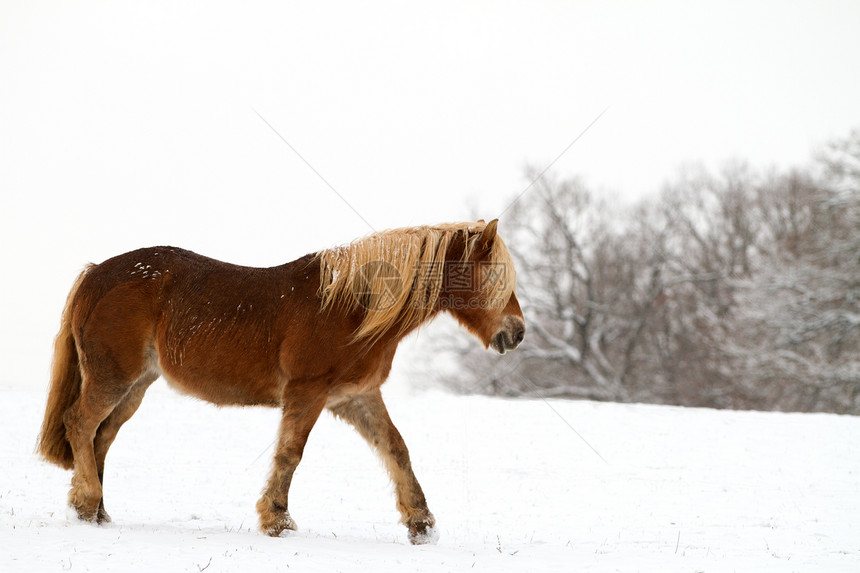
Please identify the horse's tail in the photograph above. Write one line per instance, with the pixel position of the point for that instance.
(64, 390)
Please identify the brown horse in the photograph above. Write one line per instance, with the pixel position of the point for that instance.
(319, 332)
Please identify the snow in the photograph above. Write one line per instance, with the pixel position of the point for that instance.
(511, 486)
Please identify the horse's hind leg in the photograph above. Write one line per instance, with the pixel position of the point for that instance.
(109, 428)
(108, 379)
(82, 421)
(367, 413)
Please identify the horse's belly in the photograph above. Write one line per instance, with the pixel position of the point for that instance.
(225, 385)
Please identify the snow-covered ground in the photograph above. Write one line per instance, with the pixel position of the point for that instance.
(512, 486)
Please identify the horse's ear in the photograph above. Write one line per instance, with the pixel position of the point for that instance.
(488, 235)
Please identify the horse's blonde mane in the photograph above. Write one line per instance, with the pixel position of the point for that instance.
(396, 277)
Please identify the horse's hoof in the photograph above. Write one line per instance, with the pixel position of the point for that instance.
(83, 514)
(429, 536)
(86, 506)
(423, 532)
(284, 523)
(102, 516)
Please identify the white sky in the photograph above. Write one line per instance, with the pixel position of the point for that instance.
(132, 124)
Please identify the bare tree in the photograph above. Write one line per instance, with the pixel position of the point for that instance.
(797, 329)
(733, 290)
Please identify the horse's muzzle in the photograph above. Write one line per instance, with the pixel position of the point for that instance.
(509, 337)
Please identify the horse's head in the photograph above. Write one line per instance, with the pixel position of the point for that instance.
(480, 291)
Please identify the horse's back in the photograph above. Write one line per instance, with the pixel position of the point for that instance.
(129, 288)
(169, 279)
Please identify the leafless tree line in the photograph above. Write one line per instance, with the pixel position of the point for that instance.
(730, 290)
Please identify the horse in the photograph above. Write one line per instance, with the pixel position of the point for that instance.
(316, 333)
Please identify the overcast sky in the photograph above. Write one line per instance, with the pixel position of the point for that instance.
(134, 124)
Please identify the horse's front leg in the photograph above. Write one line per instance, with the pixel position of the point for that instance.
(368, 414)
(300, 412)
